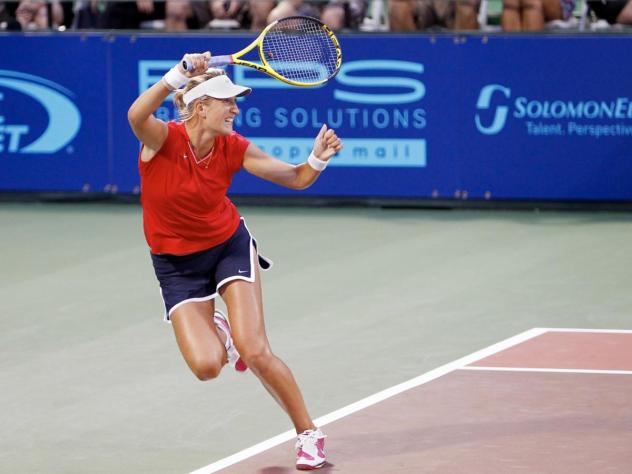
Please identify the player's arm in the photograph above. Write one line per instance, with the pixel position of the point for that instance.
(152, 132)
(149, 130)
(259, 163)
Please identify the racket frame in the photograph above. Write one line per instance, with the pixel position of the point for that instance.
(265, 67)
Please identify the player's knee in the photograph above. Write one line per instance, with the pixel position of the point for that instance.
(257, 357)
(206, 369)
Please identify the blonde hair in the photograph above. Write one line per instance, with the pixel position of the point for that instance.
(185, 112)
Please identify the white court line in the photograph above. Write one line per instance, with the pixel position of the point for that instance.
(547, 370)
(373, 399)
(397, 389)
(599, 331)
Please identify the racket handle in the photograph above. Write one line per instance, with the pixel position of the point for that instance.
(215, 61)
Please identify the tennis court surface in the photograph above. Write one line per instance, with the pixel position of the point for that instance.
(543, 401)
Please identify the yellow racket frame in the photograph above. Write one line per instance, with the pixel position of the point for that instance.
(267, 69)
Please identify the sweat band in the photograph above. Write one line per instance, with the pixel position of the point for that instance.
(315, 163)
(174, 79)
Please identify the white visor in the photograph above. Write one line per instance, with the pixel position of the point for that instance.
(218, 87)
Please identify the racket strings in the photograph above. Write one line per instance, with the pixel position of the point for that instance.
(301, 50)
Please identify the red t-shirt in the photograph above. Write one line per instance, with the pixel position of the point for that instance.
(185, 208)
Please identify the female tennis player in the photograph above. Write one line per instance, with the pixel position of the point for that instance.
(200, 246)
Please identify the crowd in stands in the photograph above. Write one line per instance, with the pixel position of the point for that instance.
(345, 15)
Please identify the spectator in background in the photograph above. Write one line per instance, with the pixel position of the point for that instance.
(172, 15)
(177, 12)
(339, 14)
(230, 14)
(612, 11)
(8, 22)
(466, 16)
(532, 15)
(259, 12)
(39, 15)
(415, 15)
(88, 14)
(226, 9)
(558, 10)
(130, 15)
(625, 16)
(295, 7)
(522, 15)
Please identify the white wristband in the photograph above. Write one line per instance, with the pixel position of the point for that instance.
(315, 163)
(174, 79)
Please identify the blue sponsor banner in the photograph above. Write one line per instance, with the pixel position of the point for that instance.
(544, 124)
(54, 114)
(479, 117)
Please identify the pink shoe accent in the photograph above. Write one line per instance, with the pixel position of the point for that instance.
(320, 445)
(310, 450)
(233, 356)
(303, 455)
(240, 365)
(309, 467)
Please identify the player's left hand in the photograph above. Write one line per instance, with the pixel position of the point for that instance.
(327, 144)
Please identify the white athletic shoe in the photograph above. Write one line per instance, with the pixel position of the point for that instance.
(310, 450)
(234, 359)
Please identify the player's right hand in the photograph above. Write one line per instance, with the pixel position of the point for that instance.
(198, 61)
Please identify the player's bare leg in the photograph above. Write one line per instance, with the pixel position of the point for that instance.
(245, 312)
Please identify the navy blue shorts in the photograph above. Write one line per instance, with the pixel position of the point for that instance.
(200, 275)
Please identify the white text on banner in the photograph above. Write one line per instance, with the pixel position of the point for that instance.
(356, 152)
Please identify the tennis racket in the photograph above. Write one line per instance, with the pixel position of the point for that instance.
(298, 50)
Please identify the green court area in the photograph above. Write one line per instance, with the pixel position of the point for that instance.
(358, 300)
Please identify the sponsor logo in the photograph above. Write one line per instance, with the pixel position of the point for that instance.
(557, 117)
(358, 82)
(376, 94)
(365, 96)
(413, 90)
(63, 119)
(484, 103)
